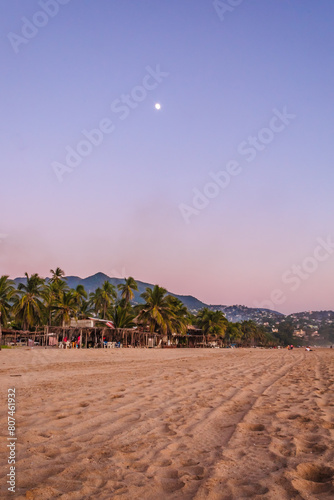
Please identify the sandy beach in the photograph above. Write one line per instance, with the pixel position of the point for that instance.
(170, 424)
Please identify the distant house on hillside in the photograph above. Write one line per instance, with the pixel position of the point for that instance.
(299, 333)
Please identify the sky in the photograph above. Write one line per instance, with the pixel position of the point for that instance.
(225, 193)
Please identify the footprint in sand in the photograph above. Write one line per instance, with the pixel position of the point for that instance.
(189, 462)
(245, 489)
(196, 472)
(303, 447)
(313, 478)
(164, 463)
(253, 427)
(45, 435)
(169, 480)
(284, 448)
(139, 466)
(165, 429)
(285, 415)
(52, 452)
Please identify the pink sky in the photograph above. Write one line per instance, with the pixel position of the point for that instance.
(247, 101)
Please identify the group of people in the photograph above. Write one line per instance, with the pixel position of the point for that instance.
(75, 343)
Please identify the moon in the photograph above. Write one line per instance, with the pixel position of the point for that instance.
(157, 106)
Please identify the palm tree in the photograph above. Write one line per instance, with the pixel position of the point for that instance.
(95, 300)
(249, 331)
(28, 307)
(263, 336)
(122, 316)
(103, 298)
(7, 294)
(85, 309)
(211, 322)
(157, 311)
(234, 332)
(127, 288)
(57, 275)
(79, 294)
(180, 318)
(51, 294)
(66, 307)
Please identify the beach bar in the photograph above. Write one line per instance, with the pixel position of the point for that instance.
(103, 337)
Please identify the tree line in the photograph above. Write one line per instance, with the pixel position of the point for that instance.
(39, 302)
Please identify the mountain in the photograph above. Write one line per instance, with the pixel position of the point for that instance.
(93, 282)
(311, 321)
(97, 280)
(238, 313)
